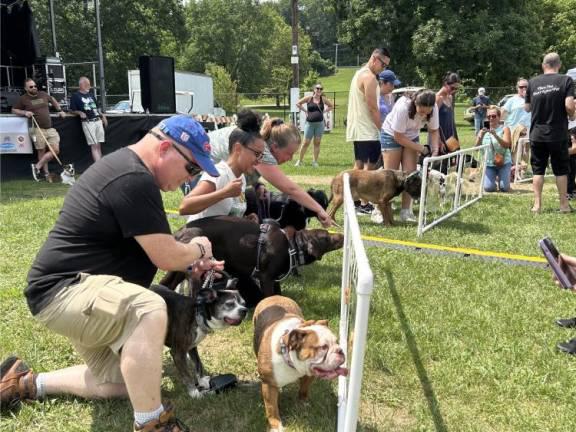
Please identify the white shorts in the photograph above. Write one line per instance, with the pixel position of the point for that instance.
(93, 131)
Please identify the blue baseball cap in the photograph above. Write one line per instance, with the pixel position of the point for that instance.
(388, 76)
(189, 133)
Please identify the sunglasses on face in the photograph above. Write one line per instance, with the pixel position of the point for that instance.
(32, 86)
(383, 63)
(492, 116)
(319, 88)
(192, 168)
(522, 87)
(258, 154)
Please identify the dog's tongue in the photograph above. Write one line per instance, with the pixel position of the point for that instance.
(233, 322)
(330, 374)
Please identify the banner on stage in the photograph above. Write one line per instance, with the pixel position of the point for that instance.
(14, 137)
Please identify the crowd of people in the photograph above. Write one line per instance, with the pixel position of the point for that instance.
(89, 280)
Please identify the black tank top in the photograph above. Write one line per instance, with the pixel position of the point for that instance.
(315, 111)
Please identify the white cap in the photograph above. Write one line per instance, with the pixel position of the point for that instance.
(481, 90)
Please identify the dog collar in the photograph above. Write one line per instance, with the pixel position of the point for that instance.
(285, 351)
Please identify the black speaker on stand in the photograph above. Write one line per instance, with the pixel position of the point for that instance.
(157, 86)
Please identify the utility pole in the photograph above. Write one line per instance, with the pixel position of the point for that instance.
(295, 91)
(336, 56)
(100, 56)
(53, 25)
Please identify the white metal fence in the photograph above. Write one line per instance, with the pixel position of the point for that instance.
(357, 284)
(450, 183)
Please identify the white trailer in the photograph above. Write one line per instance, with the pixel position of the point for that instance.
(194, 92)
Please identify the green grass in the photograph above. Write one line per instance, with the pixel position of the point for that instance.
(455, 343)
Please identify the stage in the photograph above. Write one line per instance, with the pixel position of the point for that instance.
(123, 130)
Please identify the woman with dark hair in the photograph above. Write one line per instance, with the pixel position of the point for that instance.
(224, 195)
(281, 142)
(316, 105)
(400, 137)
(445, 102)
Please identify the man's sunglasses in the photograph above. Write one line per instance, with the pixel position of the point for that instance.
(522, 87)
(30, 87)
(259, 155)
(384, 64)
(192, 167)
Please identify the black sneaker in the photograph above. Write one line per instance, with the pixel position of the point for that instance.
(567, 322)
(568, 347)
(364, 209)
(35, 173)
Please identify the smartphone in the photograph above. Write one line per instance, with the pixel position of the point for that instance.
(486, 124)
(552, 255)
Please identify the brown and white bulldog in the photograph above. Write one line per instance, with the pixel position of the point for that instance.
(289, 348)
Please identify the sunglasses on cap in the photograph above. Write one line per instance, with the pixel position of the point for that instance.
(192, 168)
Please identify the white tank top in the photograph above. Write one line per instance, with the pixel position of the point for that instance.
(359, 126)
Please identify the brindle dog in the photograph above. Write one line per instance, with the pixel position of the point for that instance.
(378, 187)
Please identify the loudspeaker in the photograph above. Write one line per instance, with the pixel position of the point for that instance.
(157, 84)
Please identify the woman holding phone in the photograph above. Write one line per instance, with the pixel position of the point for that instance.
(499, 158)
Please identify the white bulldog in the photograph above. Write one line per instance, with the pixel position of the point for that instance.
(288, 349)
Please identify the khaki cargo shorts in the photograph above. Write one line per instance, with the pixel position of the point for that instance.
(98, 314)
(43, 135)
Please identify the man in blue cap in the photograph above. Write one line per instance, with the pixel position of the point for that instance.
(89, 281)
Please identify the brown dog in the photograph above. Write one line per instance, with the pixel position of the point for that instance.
(289, 348)
(378, 187)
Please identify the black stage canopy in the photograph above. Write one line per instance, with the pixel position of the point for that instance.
(20, 46)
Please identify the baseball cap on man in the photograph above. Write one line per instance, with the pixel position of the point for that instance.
(481, 90)
(189, 133)
(389, 76)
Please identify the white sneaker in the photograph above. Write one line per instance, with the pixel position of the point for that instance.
(406, 215)
(298, 163)
(376, 216)
(314, 164)
(35, 173)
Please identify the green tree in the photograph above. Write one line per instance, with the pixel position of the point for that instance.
(489, 42)
(225, 94)
(130, 28)
(559, 29)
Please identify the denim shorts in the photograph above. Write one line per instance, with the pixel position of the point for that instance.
(314, 129)
(387, 142)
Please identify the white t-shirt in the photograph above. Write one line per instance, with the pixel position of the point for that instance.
(228, 206)
(399, 121)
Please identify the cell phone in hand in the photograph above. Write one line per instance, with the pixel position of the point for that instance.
(552, 255)
(486, 124)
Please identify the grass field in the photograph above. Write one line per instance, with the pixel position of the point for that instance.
(455, 343)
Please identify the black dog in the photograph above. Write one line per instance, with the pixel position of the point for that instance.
(258, 267)
(192, 318)
(284, 209)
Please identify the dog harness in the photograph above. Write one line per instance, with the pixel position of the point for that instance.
(295, 251)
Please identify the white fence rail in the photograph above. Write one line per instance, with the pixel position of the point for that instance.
(447, 191)
(357, 284)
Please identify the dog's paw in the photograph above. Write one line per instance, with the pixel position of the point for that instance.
(195, 393)
(204, 383)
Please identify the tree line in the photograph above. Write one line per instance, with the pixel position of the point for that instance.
(246, 44)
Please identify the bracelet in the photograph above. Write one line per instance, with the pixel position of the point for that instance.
(202, 250)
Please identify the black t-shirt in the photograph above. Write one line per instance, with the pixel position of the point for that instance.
(115, 200)
(86, 103)
(546, 95)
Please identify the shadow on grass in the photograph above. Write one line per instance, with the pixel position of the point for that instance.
(427, 388)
